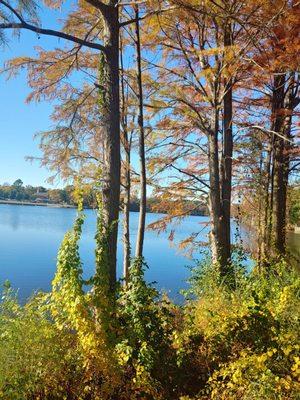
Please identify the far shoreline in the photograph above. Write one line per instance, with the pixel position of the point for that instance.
(70, 206)
(31, 203)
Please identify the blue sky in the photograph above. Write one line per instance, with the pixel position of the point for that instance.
(20, 121)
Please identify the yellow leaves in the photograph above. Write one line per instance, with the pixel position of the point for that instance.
(262, 359)
(296, 368)
(75, 310)
(85, 18)
(271, 352)
(53, 3)
(287, 350)
(237, 376)
(124, 352)
(13, 66)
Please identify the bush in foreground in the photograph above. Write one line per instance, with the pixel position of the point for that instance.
(251, 334)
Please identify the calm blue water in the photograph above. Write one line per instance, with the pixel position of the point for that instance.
(30, 238)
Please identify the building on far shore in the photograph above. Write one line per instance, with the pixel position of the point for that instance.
(41, 197)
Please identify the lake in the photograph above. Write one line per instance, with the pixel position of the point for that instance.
(31, 235)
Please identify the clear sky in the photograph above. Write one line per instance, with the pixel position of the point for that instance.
(20, 121)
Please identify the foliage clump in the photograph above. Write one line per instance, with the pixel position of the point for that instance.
(37, 360)
(251, 335)
(145, 347)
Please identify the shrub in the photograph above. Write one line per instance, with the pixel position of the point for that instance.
(37, 361)
(251, 334)
(145, 348)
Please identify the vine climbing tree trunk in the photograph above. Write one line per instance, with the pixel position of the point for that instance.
(110, 111)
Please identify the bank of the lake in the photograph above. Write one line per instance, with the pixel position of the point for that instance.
(35, 203)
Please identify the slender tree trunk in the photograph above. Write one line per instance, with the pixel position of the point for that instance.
(214, 193)
(271, 163)
(260, 208)
(226, 163)
(280, 198)
(278, 175)
(283, 168)
(126, 219)
(267, 206)
(127, 179)
(271, 206)
(221, 177)
(143, 178)
(110, 111)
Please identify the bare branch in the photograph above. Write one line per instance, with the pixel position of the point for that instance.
(150, 14)
(48, 32)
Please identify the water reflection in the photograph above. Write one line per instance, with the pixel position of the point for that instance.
(14, 218)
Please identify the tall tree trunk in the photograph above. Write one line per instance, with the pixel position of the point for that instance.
(280, 195)
(267, 196)
(278, 175)
(214, 193)
(283, 166)
(110, 110)
(226, 163)
(143, 178)
(127, 179)
(221, 174)
(126, 218)
(260, 208)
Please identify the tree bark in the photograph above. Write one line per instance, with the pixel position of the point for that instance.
(226, 163)
(126, 219)
(283, 166)
(214, 193)
(267, 195)
(127, 180)
(143, 178)
(221, 176)
(278, 194)
(110, 111)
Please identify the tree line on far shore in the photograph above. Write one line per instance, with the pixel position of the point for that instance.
(18, 192)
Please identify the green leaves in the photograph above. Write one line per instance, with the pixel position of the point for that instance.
(145, 340)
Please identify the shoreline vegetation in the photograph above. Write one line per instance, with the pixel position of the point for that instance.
(18, 194)
(133, 207)
(30, 203)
